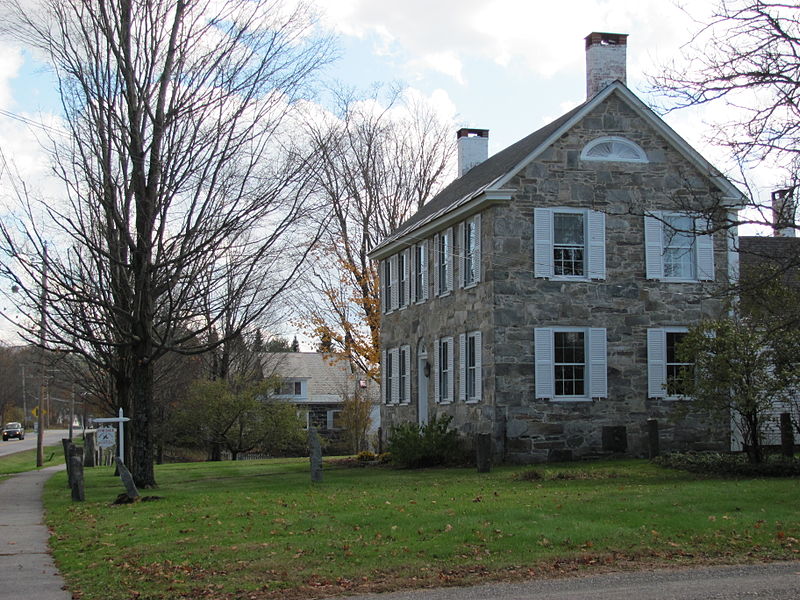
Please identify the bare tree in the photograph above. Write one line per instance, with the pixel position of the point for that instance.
(179, 177)
(746, 57)
(377, 161)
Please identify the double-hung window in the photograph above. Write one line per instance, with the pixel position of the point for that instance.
(470, 241)
(570, 363)
(666, 372)
(443, 370)
(404, 378)
(676, 249)
(569, 243)
(471, 386)
(419, 280)
(388, 380)
(443, 272)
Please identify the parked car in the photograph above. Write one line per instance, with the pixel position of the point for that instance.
(13, 430)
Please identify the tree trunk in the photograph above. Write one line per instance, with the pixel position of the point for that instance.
(143, 448)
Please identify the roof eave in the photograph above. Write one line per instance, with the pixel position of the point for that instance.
(465, 208)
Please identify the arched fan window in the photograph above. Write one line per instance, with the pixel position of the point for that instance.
(615, 149)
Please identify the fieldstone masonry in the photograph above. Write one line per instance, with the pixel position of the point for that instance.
(509, 303)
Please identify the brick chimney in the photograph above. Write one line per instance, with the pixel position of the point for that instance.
(784, 208)
(473, 148)
(605, 60)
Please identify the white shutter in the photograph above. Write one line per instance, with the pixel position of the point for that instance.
(705, 257)
(598, 372)
(476, 244)
(407, 361)
(656, 363)
(449, 259)
(654, 247)
(596, 229)
(436, 379)
(462, 371)
(407, 274)
(450, 372)
(436, 261)
(543, 359)
(395, 374)
(412, 269)
(395, 282)
(383, 376)
(542, 242)
(478, 367)
(425, 270)
(462, 253)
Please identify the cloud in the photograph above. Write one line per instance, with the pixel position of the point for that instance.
(543, 38)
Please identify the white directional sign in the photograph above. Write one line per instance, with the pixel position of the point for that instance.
(106, 437)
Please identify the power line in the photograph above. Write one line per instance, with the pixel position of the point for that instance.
(27, 121)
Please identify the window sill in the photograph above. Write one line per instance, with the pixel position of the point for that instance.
(468, 286)
(570, 399)
(473, 401)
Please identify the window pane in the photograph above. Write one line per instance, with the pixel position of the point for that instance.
(569, 347)
(568, 228)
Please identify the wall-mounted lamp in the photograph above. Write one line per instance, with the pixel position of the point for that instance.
(427, 369)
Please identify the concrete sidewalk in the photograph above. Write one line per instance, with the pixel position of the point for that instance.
(26, 567)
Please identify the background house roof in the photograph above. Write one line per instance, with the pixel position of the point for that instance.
(324, 379)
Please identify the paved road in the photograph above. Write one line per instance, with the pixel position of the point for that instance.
(778, 581)
(51, 436)
(26, 567)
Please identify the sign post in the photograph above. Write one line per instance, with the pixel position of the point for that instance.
(119, 420)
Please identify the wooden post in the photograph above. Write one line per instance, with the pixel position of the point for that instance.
(483, 452)
(653, 449)
(787, 435)
(88, 449)
(76, 472)
(66, 444)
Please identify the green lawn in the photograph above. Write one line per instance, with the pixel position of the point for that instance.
(262, 530)
(26, 460)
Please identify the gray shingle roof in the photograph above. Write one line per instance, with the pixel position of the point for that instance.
(482, 175)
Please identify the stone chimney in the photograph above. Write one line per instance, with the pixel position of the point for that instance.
(605, 60)
(783, 213)
(473, 148)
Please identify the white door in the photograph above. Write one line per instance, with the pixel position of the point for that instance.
(422, 384)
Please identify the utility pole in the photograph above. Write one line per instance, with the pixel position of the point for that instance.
(43, 383)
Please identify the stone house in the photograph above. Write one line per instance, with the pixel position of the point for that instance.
(540, 295)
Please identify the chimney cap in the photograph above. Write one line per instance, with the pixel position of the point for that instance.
(471, 132)
(606, 39)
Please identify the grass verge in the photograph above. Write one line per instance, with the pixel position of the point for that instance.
(260, 529)
(26, 460)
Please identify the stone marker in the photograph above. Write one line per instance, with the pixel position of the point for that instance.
(483, 452)
(127, 480)
(787, 435)
(315, 452)
(76, 472)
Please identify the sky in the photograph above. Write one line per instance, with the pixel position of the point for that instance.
(509, 66)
